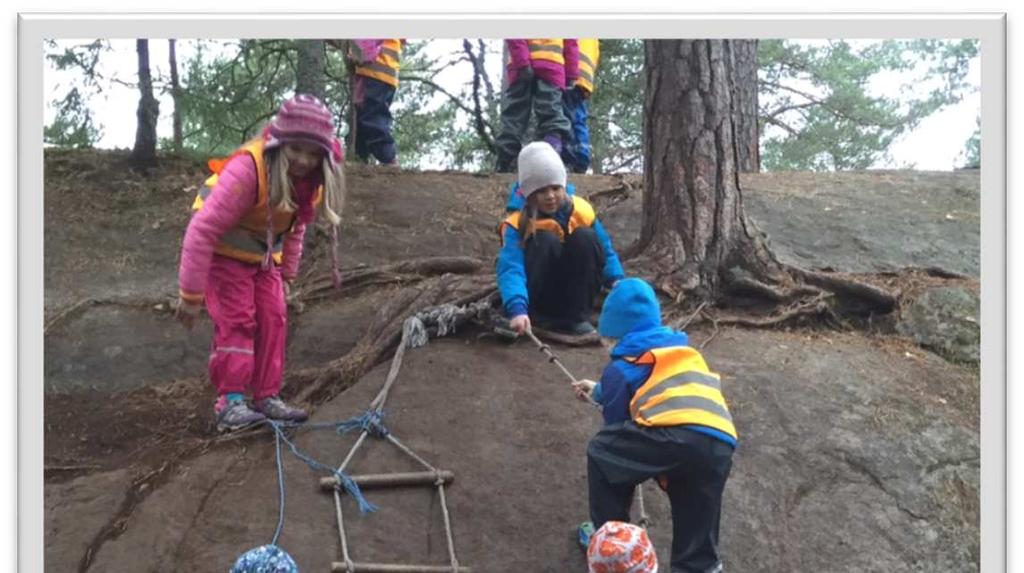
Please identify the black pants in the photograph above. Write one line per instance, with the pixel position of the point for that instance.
(623, 455)
(562, 279)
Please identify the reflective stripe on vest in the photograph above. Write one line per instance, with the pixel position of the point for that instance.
(546, 49)
(583, 215)
(385, 66)
(247, 240)
(589, 56)
(679, 391)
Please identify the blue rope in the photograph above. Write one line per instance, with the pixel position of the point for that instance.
(350, 486)
(371, 421)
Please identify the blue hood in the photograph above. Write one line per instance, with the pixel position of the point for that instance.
(639, 341)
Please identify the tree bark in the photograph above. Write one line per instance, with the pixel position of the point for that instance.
(693, 227)
(144, 153)
(175, 94)
(745, 96)
(693, 220)
(309, 69)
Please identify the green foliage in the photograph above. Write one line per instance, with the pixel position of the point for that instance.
(820, 106)
(972, 149)
(435, 124)
(818, 111)
(226, 99)
(616, 107)
(73, 125)
(421, 130)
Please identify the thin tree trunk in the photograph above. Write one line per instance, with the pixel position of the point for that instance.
(144, 153)
(479, 77)
(596, 160)
(309, 69)
(745, 100)
(175, 94)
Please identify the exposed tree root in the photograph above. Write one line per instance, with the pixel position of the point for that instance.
(395, 272)
(163, 304)
(318, 385)
(854, 293)
(816, 308)
(607, 198)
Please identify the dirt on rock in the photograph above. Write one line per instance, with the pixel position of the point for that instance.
(858, 451)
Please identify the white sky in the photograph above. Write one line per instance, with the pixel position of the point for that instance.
(936, 144)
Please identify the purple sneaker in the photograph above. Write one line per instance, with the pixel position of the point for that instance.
(235, 415)
(275, 409)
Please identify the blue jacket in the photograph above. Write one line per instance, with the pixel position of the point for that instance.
(512, 259)
(621, 379)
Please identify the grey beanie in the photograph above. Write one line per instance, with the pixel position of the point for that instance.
(539, 166)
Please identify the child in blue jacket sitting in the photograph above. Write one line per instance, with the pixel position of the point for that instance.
(665, 417)
(555, 253)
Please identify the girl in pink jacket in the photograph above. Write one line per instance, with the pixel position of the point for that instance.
(242, 250)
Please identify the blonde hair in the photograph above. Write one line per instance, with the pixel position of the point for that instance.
(281, 190)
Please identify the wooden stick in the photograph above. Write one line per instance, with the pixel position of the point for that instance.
(370, 481)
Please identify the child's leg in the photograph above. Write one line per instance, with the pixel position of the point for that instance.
(230, 301)
(515, 118)
(374, 121)
(695, 492)
(543, 252)
(577, 154)
(271, 333)
(359, 100)
(579, 275)
(608, 501)
(552, 125)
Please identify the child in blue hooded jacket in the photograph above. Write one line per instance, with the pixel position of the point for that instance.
(555, 254)
(665, 418)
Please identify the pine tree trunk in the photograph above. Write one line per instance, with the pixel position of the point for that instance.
(144, 153)
(175, 94)
(596, 160)
(310, 68)
(747, 132)
(693, 221)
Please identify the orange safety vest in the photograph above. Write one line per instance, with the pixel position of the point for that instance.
(680, 390)
(583, 215)
(590, 53)
(385, 67)
(247, 241)
(549, 49)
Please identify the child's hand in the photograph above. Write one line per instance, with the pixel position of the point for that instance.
(186, 312)
(584, 389)
(520, 323)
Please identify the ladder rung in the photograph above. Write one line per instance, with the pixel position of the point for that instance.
(338, 567)
(370, 481)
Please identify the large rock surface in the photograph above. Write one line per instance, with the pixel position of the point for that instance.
(945, 320)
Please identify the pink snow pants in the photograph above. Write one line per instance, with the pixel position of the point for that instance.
(246, 304)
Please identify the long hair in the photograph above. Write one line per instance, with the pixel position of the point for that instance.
(527, 222)
(282, 193)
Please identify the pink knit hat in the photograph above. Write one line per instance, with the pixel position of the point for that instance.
(620, 547)
(304, 118)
